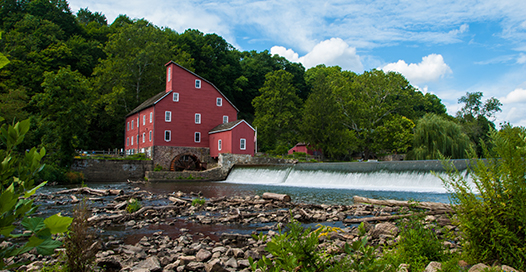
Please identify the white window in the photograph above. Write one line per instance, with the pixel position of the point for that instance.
(132, 126)
(169, 74)
(219, 145)
(138, 122)
(198, 84)
(176, 97)
(132, 139)
(144, 120)
(128, 141)
(197, 137)
(150, 139)
(225, 119)
(198, 118)
(219, 102)
(242, 144)
(168, 116)
(143, 137)
(128, 126)
(167, 135)
(151, 116)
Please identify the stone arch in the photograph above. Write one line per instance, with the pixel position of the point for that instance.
(186, 161)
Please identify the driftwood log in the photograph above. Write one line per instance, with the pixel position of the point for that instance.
(423, 205)
(89, 191)
(280, 197)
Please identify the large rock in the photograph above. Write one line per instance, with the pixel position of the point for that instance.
(110, 263)
(203, 255)
(433, 267)
(384, 229)
(214, 265)
(151, 264)
(195, 266)
(478, 268)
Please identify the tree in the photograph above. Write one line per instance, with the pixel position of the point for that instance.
(475, 117)
(436, 136)
(323, 120)
(277, 112)
(395, 135)
(65, 113)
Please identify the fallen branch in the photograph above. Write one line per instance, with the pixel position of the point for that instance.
(280, 197)
(389, 202)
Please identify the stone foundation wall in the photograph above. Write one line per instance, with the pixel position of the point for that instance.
(163, 155)
(214, 174)
(111, 170)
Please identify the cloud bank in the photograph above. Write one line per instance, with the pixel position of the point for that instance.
(330, 52)
(431, 68)
(516, 96)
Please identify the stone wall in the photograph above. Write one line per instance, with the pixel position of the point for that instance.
(163, 155)
(213, 174)
(111, 170)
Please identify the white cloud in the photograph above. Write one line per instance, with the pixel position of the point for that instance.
(521, 59)
(516, 96)
(431, 68)
(329, 52)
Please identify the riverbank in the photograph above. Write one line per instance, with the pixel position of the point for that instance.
(172, 244)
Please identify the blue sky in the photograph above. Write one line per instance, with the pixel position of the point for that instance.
(446, 47)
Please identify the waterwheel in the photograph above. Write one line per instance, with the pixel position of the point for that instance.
(186, 162)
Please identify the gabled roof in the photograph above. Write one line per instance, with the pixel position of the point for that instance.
(149, 102)
(203, 79)
(229, 126)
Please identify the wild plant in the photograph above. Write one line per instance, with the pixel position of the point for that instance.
(133, 205)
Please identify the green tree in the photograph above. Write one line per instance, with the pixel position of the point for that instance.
(475, 117)
(395, 135)
(277, 112)
(323, 120)
(435, 136)
(65, 112)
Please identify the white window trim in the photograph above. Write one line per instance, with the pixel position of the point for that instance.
(143, 137)
(128, 141)
(219, 102)
(197, 118)
(138, 122)
(195, 137)
(169, 135)
(151, 116)
(175, 97)
(225, 119)
(132, 140)
(144, 120)
(219, 145)
(168, 116)
(150, 135)
(132, 126)
(243, 144)
(169, 74)
(198, 84)
(128, 127)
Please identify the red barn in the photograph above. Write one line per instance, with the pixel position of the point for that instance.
(235, 137)
(180, 120)
(305, 148)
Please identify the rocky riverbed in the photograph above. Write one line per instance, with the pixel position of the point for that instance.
(157, 237)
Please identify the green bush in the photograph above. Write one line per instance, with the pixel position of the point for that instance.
(491, 210)
(51, 174)
(158, 167)
(416, 245)
(133, 205)
(18, 172)
(198, 202)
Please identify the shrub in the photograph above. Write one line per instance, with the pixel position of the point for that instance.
(80, 246)
(158, 168)
(491, 211)
(133, 205)
(18, 172)
(198, 202)
(73, 177)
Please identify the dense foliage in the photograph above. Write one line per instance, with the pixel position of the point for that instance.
(77, 76)
(490, 206)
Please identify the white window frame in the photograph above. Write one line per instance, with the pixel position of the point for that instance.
(168, 116)
(169, 134)
(128, 141)
(128, 127)
(138, 122)
(225, 119)
(175, 97)
(150, 135)
(143, 137)
(198, 84)
(197, 118)
(132, 140)
(219, 145)
(144, 120)
(219, 101)
(169, 74)
(132, 126)
(243, 144)
(196, 136)
(151, 116)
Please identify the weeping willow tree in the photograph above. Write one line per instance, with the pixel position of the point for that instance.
(436, 135)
